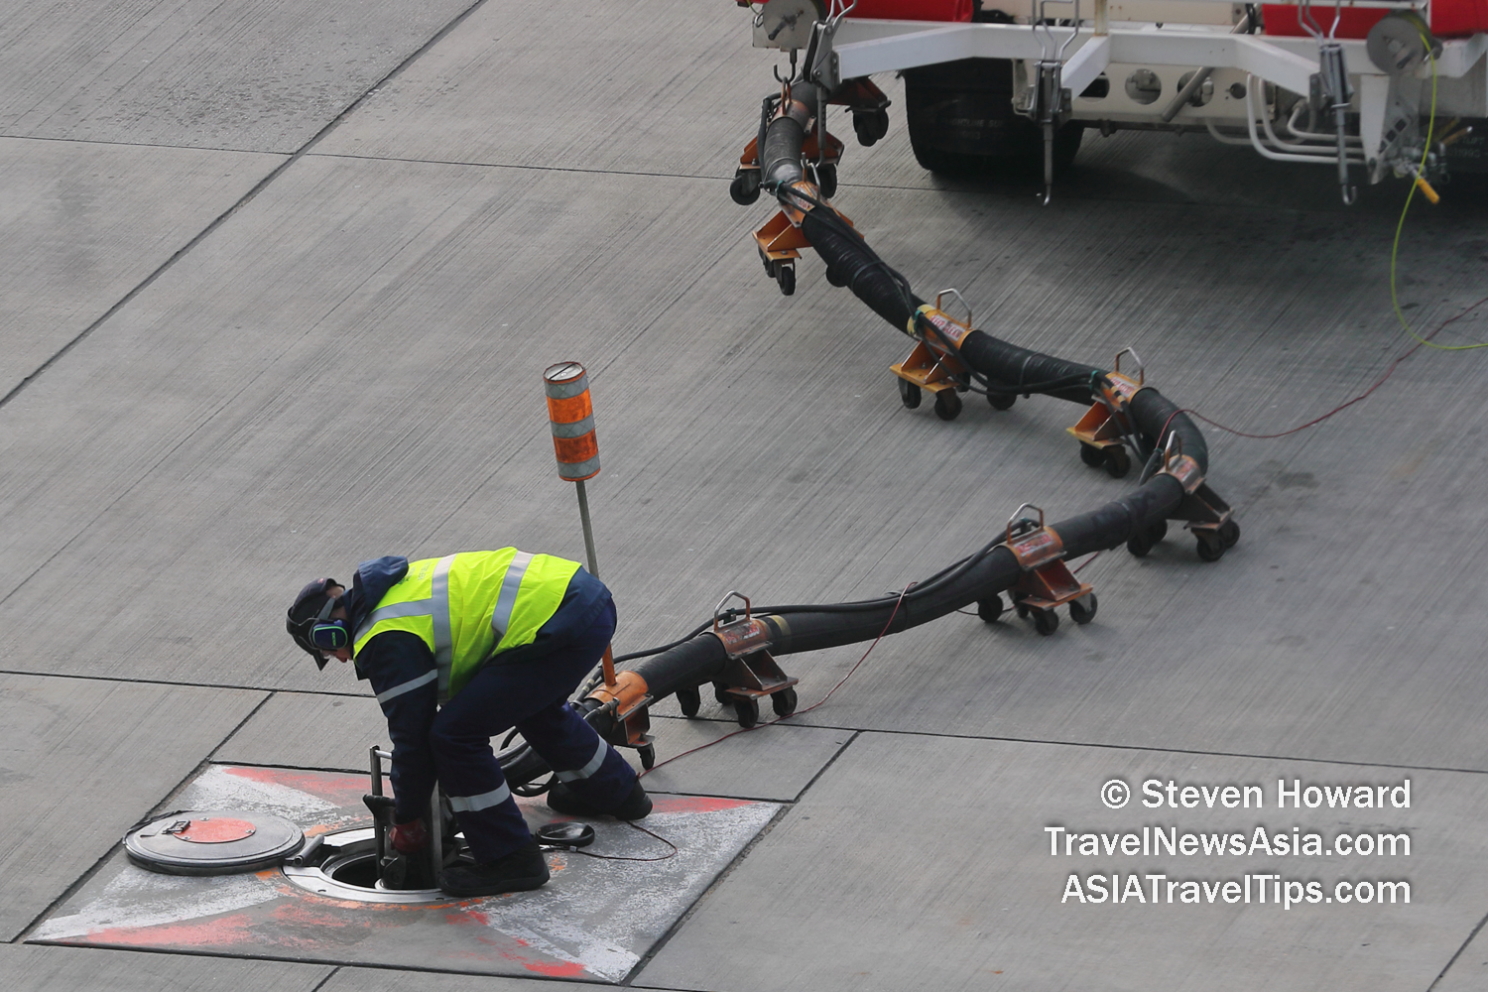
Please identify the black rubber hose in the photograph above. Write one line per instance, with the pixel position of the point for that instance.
(1156, 417)
(779, 165)
(864, 272)
(804, 628)
(703, 659)
(1011, 365)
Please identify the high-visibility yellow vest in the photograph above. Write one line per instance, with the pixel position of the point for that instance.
(470, 606)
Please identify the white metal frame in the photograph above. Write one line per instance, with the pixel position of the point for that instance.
(865, 47)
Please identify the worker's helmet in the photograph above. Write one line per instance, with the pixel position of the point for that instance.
(309, 621)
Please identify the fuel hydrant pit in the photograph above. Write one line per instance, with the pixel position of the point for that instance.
(594, 921)
(348, 870)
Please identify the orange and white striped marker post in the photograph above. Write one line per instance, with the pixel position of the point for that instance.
(571, 416)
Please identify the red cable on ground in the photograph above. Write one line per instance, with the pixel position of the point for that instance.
(1389, 371)
(771, 723)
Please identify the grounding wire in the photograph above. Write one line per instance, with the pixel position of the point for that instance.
(1400, 225)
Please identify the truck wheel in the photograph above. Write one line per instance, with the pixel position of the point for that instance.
(961, 123)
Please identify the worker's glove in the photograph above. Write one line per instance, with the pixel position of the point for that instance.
(410, 837)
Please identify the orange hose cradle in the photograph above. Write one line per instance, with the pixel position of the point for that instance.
(1103, 430)
(1046, 581)
(932, 364)
(628, 698)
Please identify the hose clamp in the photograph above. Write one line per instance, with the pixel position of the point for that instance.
(1032, 547)
(1180, 466)
(740, 637)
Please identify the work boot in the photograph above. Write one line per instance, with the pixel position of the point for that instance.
(636, 806)
(520, 871)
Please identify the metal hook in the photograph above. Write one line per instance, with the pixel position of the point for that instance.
(952, 291)
(718, 610)
(1173, 449)
(1018, 515)
(792, 77)
(1051, 53)
(1141, 368)
(845, 8)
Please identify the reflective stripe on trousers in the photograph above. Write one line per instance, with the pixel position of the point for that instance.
(470, 804)
(589, 768)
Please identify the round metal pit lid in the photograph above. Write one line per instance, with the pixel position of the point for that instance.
(213, 842)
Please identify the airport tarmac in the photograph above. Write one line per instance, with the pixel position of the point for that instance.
(280, 281)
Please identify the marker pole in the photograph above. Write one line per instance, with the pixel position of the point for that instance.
(571, 417)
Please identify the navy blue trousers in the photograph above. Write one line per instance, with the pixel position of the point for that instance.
(527, 690)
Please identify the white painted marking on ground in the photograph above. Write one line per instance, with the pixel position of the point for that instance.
(139, 898)
(217, 788)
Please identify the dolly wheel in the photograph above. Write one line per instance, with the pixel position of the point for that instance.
(1083, 612)
(648, 756)
(1210, 546)
(745, 189)
(1002, 401)
(785, 275)
(690, 701)
(836, 278)
(1229, 533)
(909, 394)
(747, 709)
(784, 701)
(721, 693)
(1091, 455)
(947, 404)
(990, 609)
(1045, 622)
(870, 126)
(1118, 462)
(1021, 610)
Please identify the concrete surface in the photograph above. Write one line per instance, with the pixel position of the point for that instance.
(347, 362)
(382, 980)
(969, 895)
(66, 969)
(82, 762)
(308, 730)
(264, 75)
(87, 222)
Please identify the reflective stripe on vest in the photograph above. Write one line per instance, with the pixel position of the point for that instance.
(409, 686)
(511, 584)
(483, 581)
(437, 608)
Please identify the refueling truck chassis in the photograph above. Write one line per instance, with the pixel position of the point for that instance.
(1355, 88)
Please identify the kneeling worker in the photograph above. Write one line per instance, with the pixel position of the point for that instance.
(463, 648)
